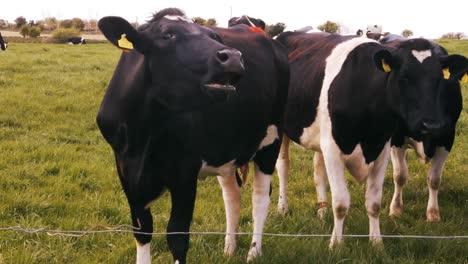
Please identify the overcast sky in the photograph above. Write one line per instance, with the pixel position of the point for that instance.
(427, 18)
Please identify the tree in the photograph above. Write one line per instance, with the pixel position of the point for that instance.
(91, 25)
(204, 22)
(3, 24)
(407, 33)
(34, 32)
(211, 22)
(67, 23)
(453, 35)
(50, 23)
(199, 20)
(24, 31)
(329, 26)
(78, 23)
(20, 21)
(275, 29)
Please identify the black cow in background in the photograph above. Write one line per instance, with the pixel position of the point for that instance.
(429, 147)
(3, 44)
(185, 101)
(76, 41)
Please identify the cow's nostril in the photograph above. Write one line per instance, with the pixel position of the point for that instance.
(222, 56)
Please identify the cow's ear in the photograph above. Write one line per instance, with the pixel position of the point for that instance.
(122, 34)
(384, 60)
(455, 66)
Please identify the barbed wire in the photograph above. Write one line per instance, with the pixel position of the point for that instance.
(121, 229)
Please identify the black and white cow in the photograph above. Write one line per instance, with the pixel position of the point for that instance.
(76, 41)
(432, 148)
(346, 95)
(246, 20)
(3, 44)
(189, 100)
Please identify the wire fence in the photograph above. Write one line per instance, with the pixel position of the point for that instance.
(129, 229)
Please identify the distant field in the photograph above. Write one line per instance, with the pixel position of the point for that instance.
(57, 172)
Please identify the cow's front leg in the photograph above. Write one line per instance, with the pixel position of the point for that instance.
(282, 167)
(142, 222)
(231, 196)
(260, 201)
(183, 202)
(334, 166)
(400, 177)
(374, 195)
(320, 180)
(433, 182)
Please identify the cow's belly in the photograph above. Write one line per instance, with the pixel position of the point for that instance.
(356, 164)
(310, 137)
(227, 169)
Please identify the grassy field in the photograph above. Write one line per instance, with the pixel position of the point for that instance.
(57, 172)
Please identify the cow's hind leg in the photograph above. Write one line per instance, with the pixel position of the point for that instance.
(374, 195)
(282, 167)
(143, 223)
(231, 196)
(400, 177)
(320, 179)
(433, 182)
(183, 201)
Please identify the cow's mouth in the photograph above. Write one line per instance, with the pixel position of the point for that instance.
(224, 81)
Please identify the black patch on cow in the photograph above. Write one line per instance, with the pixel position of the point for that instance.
(307, 55)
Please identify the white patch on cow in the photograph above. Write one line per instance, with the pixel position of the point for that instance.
(226, 169)
(271, 136)
(421, 55)
(260, 203)
(143, 253)
(176, 262)
(356, 164)
(282, 167)
(178, 18)
(310, 137)
(231, 197)
(418, 148)
(400, 177)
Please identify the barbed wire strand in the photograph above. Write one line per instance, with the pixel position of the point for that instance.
(120, 229)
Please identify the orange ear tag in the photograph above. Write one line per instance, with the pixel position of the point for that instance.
(446, 73)
(386, 67)
(256, 30)
(124, 43)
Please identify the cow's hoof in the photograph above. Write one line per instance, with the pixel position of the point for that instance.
(377, 243)
(396, 211)
(433, 215)
(322, 213)
(254, 252)
(335, 243)
(283, 209)
(230, 245)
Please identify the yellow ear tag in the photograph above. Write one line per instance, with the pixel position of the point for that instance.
(465, 78)
(386, 67)
(446, 73)
(124, 43)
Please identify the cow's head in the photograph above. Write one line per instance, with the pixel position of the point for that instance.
(3, 44)
(421, 76)
(186, 64)
(249, 21)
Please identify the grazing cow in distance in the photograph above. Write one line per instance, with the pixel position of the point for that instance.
(432, 148)
(3, 44)
(346, 96)
(177, 108)
(76, 41)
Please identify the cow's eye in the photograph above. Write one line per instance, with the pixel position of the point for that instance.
(168, 36)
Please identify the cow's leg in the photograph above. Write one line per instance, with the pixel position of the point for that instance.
(282, 167)
(400, 177)
(433, 182)
(264, 168)
(334, 166)
(183, 201)
(374, 195)
(142, 222)
(231, 196)
(260, 201)
(320, 179)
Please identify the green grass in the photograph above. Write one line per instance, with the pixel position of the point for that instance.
(57, 172)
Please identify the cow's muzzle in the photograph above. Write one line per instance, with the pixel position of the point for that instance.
(231, 68)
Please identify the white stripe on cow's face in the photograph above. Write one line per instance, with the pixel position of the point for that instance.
(421, 55)
(271, 136)
(178, 18)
